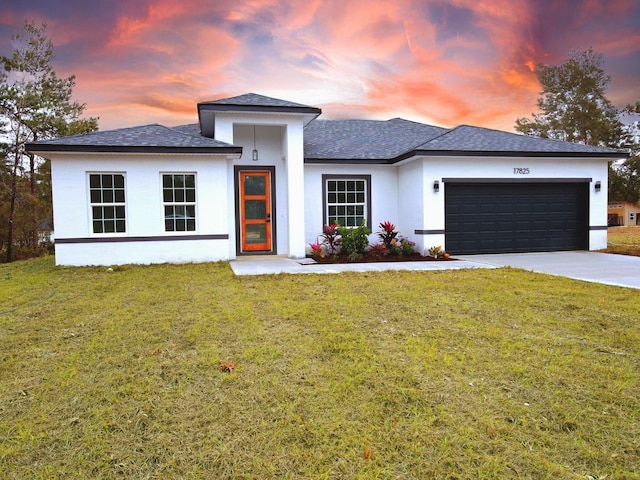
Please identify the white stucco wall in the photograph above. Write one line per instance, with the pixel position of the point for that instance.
(144, 209)
(404, 193)
(384, 193)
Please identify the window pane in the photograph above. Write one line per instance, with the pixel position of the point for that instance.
(94, 181)
(190, 181)
(255, 209)
(95, 196)
(179, 195)
(255, 185)
(97, 226)
(191, 211)
(120, 226)
(119, 196)
(107, 196)
(167, 196)
(256, 233)
(97, 213)
(166, 181)
(351, 197)
(119, 212)
(191, 195)
(107, 181)
(109, 226)
(178, 181)
(180, 225)
(118, 181)
(191, 225)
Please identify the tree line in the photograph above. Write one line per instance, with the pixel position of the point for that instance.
(36, 104)
(574, 107)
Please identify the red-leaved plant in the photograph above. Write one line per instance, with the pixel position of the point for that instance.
(331, 238)
(316, 250)
(387, 233)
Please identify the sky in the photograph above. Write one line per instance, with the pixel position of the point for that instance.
(440, 62)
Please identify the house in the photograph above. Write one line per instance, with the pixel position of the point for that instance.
(623, 214)
(258, 175)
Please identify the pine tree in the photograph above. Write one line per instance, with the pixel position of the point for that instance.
(574, 108)
(34, 104)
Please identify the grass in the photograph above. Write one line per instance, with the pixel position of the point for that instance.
(390, 375)
(624, 240)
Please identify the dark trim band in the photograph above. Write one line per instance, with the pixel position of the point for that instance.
(598, 227)
(51, 148)
(516, 180)
(429, 232)
(167, 238)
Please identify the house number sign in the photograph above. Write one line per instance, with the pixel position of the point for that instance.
(521, 171)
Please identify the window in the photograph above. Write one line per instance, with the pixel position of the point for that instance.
(106, 193)
(347, 199)
(179, 197)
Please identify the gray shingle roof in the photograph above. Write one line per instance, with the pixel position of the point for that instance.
(467, 138)
(255, 100)
(370, 141)
(365, 139)
(155, 138)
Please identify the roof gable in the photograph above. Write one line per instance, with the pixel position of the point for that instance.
(364, 139)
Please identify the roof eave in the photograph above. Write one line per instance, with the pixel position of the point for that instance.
(500, 153)
(50, 148)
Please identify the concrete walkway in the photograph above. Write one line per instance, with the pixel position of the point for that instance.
(618, 270)
(272, 265)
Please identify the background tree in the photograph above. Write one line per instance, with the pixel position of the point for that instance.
(574, 108)
(34, 104)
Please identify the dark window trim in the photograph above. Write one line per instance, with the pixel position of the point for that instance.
(365, 177)
(236, 195)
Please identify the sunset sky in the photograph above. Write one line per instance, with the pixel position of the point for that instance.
(440, 62)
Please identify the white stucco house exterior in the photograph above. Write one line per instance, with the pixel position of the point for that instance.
(261, 176)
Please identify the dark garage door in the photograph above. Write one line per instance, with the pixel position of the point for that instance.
(516, 217)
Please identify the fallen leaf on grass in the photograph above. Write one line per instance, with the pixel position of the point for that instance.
(368, 453)
(228, 367)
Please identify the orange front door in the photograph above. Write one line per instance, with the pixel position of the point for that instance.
(255, 211)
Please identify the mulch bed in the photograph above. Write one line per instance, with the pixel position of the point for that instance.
(414, 257)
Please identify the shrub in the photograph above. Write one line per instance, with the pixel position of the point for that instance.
(317, 250)
(378, 250)
(331, 237)
(436, 251)
(387, 233)
(354, 239)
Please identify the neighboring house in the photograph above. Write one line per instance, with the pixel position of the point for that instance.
(258, 175)
(623, 214)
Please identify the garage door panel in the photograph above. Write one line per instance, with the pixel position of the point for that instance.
(512, 218)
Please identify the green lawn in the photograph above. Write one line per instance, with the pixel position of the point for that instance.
(392, 375)
(624, 240)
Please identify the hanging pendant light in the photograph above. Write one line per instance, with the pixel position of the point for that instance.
(254, 154)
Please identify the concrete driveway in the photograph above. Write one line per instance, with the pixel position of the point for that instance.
(619, 270)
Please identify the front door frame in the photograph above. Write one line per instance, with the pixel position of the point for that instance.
(236, 175)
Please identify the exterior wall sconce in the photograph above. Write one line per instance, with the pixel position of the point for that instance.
(254, 154)
(598, 186)
(436, 186)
